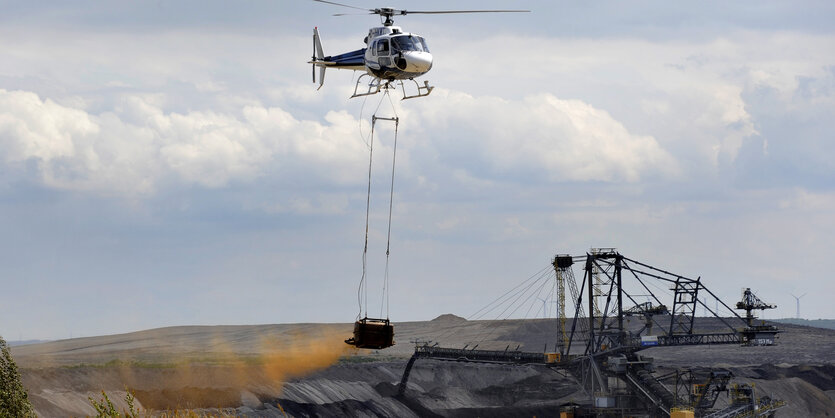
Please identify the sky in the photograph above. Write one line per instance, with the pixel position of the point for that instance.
(170, 162)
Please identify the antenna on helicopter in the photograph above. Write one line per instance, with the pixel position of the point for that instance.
(388, 12)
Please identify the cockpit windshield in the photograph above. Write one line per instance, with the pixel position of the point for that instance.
(409, 43)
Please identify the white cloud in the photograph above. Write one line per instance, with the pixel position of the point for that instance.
(557, 140)
(685, 93)
(134, 148)
(41, 129)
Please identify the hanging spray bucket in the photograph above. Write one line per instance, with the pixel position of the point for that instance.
(372, 333)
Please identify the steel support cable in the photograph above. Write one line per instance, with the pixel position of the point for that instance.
(666, 279)
(557, 314)
(550, 299)
(391, 204)
(652, 317)
(499, 302)
(544, 301)
(535, 275)
(627, 267)
(679, 279)
(658, 270)
(495, 304)
(396, 120)
(524, 302)
(657, 287)
(577, 300)
(517, 306)
(362, 110)
(507, 304)
(723, 304)
(538, 293)
(510, 297)
(514, 297)
(527, 301)
(360, 119)
(362, 292)
(716, 314)
(578, 308)
(654, 321)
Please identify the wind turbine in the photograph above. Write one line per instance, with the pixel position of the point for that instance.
(544, 307)
(797, 299)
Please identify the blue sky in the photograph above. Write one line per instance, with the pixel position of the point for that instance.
(169, 163)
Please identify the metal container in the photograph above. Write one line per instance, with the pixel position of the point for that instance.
(372, 333)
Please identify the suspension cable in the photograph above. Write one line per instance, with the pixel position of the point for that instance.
(362, 291)
(391, 204)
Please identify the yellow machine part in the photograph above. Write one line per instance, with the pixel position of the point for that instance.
(552, 357)
(682, 413)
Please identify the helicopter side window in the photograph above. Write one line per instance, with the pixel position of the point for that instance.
(383, 47)
(423, 43)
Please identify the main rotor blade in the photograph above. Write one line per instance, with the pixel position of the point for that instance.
(438, 12)
(343, 5)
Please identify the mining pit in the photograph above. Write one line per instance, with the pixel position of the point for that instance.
(306, 370)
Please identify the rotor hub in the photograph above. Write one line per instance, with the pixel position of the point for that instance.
(388, 13)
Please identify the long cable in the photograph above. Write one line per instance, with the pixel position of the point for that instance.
(497, 303)
(391, 204)
(501, 299)
(362, 290)
(515, 306)
(359, 121)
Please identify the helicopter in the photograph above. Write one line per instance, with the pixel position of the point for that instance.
(391, 56)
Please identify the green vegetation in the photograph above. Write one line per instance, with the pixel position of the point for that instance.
(14, 401)
(106, 409)
(817, 323)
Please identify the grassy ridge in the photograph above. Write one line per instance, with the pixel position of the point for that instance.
(817, 323)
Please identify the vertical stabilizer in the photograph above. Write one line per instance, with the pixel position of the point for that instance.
(318, 55)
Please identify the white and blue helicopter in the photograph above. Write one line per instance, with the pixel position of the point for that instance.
(390, 56)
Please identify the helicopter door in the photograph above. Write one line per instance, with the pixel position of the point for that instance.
(383, 52)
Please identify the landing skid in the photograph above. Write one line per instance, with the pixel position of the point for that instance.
(376, 84)
(422, 91)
